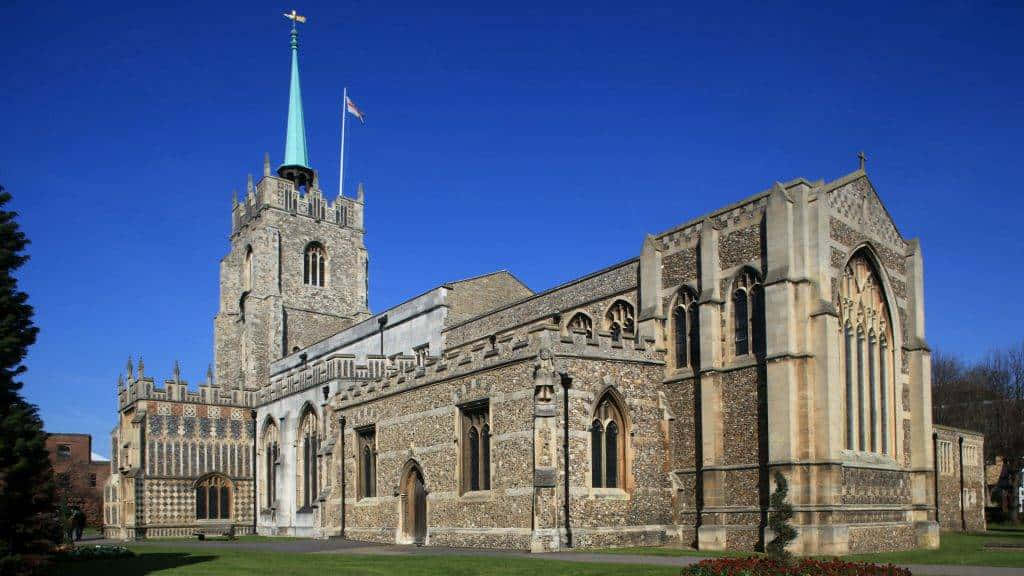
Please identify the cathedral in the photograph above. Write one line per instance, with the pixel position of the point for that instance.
(647, 403)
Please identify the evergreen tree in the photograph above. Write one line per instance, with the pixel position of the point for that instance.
(26, 476)
(778, 520)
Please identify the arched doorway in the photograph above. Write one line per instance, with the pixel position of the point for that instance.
(414, 504)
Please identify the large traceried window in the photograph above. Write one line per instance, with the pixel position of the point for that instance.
(685, 330)
(367, 449)
(314, 266)
(309, 445)
(213, 498)
(271, 455)
(476, 446)
(607, 444)
(619, 320)
(866, 357)
(748, 314)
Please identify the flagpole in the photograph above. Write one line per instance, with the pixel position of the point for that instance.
(341, 163)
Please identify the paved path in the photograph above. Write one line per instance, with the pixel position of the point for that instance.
(342, 546)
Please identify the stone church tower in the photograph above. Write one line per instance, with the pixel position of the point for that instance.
(297, 269)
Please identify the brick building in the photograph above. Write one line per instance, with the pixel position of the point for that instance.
(78, 473)
(646, 403)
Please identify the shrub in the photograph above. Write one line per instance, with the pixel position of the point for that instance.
(91, 552)
(759, 566)
(778, 520)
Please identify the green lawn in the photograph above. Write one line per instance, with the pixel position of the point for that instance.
(955, 549)
(669, 551)
(193, 560)
(960, 549)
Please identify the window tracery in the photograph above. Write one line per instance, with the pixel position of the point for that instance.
(213, 498)
(866, 356)
(607, 444)
(308, 446)
(582, 324)
(314, 266)
(619, 320)
(748, 314)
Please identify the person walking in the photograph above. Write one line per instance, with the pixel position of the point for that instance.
(80, 524)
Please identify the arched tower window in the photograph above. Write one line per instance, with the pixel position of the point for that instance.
(247, 270)
(748, 314)
(619, 319)
(314, 267)
(582, 324)
(213, 498)
(685, 329)
(866, 356)
(309, 445)
(271, 455)
(607, 448)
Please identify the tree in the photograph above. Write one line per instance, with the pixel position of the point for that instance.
(26, 477)
(988, 397)
(779, 520)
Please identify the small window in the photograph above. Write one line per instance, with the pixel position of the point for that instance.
(314, 265)
(685, 329)
(580, 323)
(309, 445)
(92, 480)
(64, 451)
(748, 314)
(607, 449)
(367, 450)
(476, 447)
(619, 319)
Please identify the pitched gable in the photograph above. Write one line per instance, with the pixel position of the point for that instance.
(854, 198)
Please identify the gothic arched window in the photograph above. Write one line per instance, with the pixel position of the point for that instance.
(580, 323)
(271, 454)
(685, 329)
(607, 444)
(309, 445)
(866, 356)
(748, 314)
(476, 447)
(213, 498)
(314, 266)
(619, 319)
(367, 450)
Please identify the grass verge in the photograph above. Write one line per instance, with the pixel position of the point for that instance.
(211, 561)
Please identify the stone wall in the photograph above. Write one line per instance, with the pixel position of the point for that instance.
(616, 279)
(475, 296)
(960, 506)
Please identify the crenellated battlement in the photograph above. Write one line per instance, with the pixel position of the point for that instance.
(358, 383)
(275, 193)
(133, 385)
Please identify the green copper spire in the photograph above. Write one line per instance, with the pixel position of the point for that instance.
(295, 153)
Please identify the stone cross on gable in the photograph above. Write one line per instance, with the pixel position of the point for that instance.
(863, 159)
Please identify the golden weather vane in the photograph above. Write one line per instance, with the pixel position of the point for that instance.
(295, 17)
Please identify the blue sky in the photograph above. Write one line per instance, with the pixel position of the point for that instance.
(542, 137)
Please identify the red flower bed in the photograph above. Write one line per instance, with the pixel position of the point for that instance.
(798, 567)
